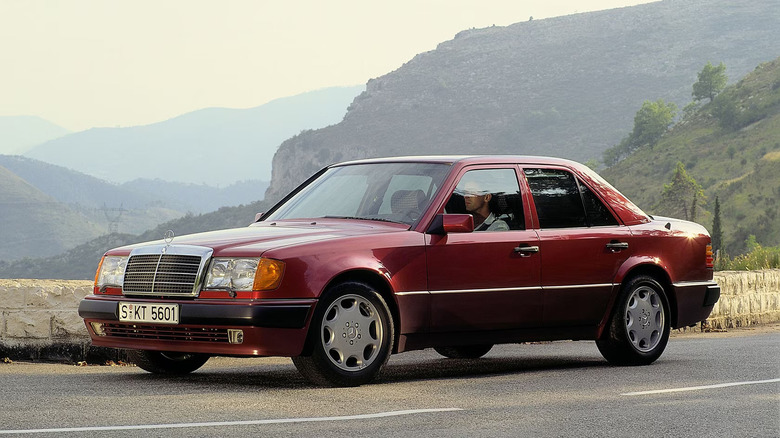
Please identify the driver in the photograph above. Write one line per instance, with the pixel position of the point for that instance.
(478, 204)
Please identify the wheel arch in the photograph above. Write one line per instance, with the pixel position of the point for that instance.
(379, 283)
(652, 270)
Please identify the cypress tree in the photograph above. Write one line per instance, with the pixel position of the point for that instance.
(717, 232)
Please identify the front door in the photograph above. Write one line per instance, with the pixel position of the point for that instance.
(488, 279)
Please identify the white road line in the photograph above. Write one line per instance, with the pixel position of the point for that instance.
(699, 388)
(230, 423)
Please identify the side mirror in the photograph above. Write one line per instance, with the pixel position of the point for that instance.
(452, 223)
(258, 216)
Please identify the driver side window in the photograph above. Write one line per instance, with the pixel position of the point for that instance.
(492, 197)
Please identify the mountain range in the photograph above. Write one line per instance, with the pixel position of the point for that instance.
(740, 165)
(50, 208)
(212, 146)
(565, 86)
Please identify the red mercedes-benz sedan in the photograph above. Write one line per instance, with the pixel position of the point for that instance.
(381, 256)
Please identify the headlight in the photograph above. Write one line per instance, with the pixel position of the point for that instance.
(111, 271)
(241, 274)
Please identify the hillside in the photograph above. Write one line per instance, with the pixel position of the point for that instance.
(214, 146)
(84, 192)
(80, 263)
(132, 207)
(200, 198)
(35, 224)
(565, 86)
(20, 133)
(738, 163)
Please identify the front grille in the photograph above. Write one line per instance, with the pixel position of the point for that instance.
(165, 270)
(166, 333)
(162, 274)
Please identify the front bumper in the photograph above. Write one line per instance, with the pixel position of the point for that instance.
(268, 327)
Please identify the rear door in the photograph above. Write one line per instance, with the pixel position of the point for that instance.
(582, 245)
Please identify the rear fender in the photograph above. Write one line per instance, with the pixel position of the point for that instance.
(633, 266)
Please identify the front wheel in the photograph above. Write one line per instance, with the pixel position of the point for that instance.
(638, 331)
(350, 338)
(167, 362)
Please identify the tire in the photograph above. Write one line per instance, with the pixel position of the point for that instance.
(465, 351)
(350, 337)
(166, 362)
(638, 330)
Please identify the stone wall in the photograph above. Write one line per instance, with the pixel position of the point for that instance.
(746, 298)
(39, 318)
(41, 310)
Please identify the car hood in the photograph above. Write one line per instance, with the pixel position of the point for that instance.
(262, 236)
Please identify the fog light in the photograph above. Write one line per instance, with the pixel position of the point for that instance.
(97, 327)
(235, 336)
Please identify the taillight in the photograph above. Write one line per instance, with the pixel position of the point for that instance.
(709, 260)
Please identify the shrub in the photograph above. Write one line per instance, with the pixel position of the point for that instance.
(757, 257)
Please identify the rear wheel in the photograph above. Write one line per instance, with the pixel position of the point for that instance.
(167, 362)
(639, 328)
(464, 351)
(350, 338)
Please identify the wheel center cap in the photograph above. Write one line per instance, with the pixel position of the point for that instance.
(645, 319)
(352, 333)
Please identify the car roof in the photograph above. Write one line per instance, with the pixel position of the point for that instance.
(468, 159)
(629, 213)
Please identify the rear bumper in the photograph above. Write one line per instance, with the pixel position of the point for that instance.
(712, 295)
(695, 301)
(268, 327)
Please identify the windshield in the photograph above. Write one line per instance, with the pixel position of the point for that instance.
(396, 192)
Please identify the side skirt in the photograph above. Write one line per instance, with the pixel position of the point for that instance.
(419, 341)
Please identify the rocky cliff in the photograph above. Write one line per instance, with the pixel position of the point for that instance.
(566, 86)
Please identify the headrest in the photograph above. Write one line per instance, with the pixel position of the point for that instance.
(406, 200)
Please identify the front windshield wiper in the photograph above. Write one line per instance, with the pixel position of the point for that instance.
(380, 219)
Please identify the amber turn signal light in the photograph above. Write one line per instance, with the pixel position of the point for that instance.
(268, 275)
(97, 273)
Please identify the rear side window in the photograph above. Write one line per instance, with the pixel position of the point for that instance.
(598, 213)
(563, 202)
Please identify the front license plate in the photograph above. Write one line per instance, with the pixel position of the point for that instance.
(149, 312)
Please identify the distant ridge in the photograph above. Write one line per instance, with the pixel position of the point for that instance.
(20, 133)
(213, 146)
(75, 188)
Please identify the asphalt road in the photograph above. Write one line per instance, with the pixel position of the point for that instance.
(713, 384)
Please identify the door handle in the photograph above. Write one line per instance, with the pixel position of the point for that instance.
(616, 246)
(526, 250)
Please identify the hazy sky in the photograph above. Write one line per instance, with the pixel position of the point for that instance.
(88, 63)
